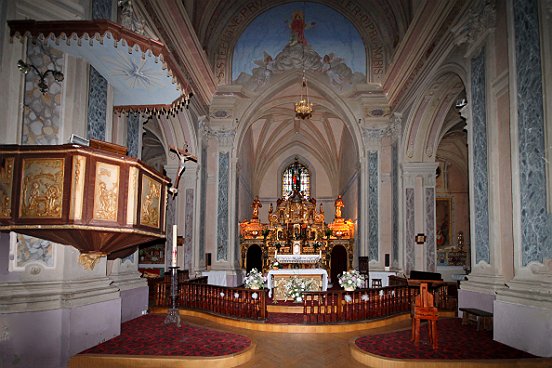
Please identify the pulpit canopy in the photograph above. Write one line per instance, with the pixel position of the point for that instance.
(94, 198)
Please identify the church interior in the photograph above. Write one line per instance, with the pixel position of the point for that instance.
(353, 168)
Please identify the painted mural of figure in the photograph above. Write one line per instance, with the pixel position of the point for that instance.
(267, 67)
(298, 27)
(338, 205)
(333, 74)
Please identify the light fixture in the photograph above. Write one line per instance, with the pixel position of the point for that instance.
(303, 108)
(42, 86)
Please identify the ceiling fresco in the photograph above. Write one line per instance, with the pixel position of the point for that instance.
(292, 35)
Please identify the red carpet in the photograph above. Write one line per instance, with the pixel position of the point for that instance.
(148, 335)
(455, 342)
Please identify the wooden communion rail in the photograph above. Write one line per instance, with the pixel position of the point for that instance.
(319, 307)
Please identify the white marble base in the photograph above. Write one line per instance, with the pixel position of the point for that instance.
(523, 327)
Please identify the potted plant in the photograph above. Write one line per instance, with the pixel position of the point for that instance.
(275, 265)
(350, 280)
(254, 280)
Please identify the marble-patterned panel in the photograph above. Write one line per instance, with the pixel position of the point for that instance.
(430, 229)
(97, 105)
(536, 223)
(395, 205)
(41, 111)
(480, 168)
(373, 202)
(189, 223)
(222, 208)
(203, 204)
(30, 250)
(133, 136)
(409, 230)
(101, 9)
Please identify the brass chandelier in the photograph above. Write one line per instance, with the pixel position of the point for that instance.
(303, 108)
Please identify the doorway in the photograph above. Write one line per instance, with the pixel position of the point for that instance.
(254, 258)
(338, 263)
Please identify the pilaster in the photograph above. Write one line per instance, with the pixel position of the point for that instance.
(419, 210)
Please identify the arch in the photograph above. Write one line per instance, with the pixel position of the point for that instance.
(264, 102)
(426, 121)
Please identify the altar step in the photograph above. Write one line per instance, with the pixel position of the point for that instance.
(285, 307)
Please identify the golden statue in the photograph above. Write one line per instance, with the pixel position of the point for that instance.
(255, 205)
(338, 205)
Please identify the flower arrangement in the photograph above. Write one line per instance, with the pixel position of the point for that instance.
(295, 286)
(254, 279)
(275, 265)
(351, 280)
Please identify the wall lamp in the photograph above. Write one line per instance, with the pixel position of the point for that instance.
(42, 86)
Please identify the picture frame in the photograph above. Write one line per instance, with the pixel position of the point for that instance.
(443, 223)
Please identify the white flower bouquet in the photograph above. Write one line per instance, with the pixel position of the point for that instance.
(351, 280)
(295, 287)
(254, 279)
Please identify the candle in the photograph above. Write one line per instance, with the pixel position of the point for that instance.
(276, 252)
(320, 253)
(174, 248)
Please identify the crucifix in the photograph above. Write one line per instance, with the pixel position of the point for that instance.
(183, 157)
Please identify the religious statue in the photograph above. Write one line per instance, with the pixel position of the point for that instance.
(338, 205)
(255, 205)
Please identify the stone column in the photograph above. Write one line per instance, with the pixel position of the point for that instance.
(419, 215)
(379, 139)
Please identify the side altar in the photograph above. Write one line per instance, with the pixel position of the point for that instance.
(297, 237)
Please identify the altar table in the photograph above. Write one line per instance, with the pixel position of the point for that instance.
(312, 273)
(215, 277)
(382, 275)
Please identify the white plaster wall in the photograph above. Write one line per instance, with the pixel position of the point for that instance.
(471, 299)
(523, 327)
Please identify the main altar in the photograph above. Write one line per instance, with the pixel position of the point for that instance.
(297, 238)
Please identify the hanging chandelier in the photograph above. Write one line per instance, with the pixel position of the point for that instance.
(303, 108)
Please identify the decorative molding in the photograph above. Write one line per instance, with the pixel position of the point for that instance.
(372, 137)
(89, 260)
(476, 25)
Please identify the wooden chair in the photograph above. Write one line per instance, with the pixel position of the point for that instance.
(424, 309)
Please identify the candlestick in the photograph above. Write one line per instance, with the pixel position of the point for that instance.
(174, 247)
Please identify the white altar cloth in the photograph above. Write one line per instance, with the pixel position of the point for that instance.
(215, 277)
(383, 275)
(297, 272)
(298, 258)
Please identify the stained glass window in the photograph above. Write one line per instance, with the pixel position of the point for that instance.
(296, 176)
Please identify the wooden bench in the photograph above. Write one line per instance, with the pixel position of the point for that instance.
(479, 316)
